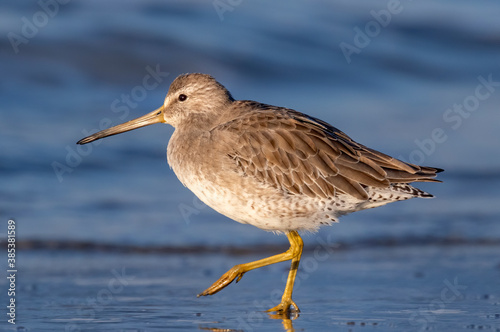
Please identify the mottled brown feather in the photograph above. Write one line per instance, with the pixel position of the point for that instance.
(299, 154)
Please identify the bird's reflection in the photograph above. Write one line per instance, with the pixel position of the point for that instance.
(286, 320)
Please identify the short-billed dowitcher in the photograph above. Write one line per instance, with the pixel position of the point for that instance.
(271, 167)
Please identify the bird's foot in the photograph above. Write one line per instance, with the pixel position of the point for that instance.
(236, 272)
(285, 308)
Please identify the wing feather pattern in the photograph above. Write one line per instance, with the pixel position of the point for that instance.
(300, 154)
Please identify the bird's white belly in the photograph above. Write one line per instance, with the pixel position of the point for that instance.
(248, 203)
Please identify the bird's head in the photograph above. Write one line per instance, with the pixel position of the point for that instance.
(193, 100)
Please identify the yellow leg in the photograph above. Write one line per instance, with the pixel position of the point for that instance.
(296, 246)
(237, 272)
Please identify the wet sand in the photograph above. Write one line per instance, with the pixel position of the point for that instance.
(380, 288)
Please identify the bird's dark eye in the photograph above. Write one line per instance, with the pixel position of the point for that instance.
(182, 97)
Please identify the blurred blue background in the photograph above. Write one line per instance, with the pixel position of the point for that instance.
(71, 71)
(407, 78)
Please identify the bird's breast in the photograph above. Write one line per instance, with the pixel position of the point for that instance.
(202, 164)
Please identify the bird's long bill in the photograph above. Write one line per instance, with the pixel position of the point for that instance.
(154, 117)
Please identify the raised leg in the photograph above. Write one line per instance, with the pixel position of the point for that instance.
(236, 272)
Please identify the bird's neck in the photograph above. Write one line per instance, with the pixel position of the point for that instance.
(197, 122)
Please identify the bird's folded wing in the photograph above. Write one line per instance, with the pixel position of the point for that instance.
(303, 155)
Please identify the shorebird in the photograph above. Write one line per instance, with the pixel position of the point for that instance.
(271, 167)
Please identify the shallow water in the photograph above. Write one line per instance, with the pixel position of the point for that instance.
(115, 203)
(411, 288)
